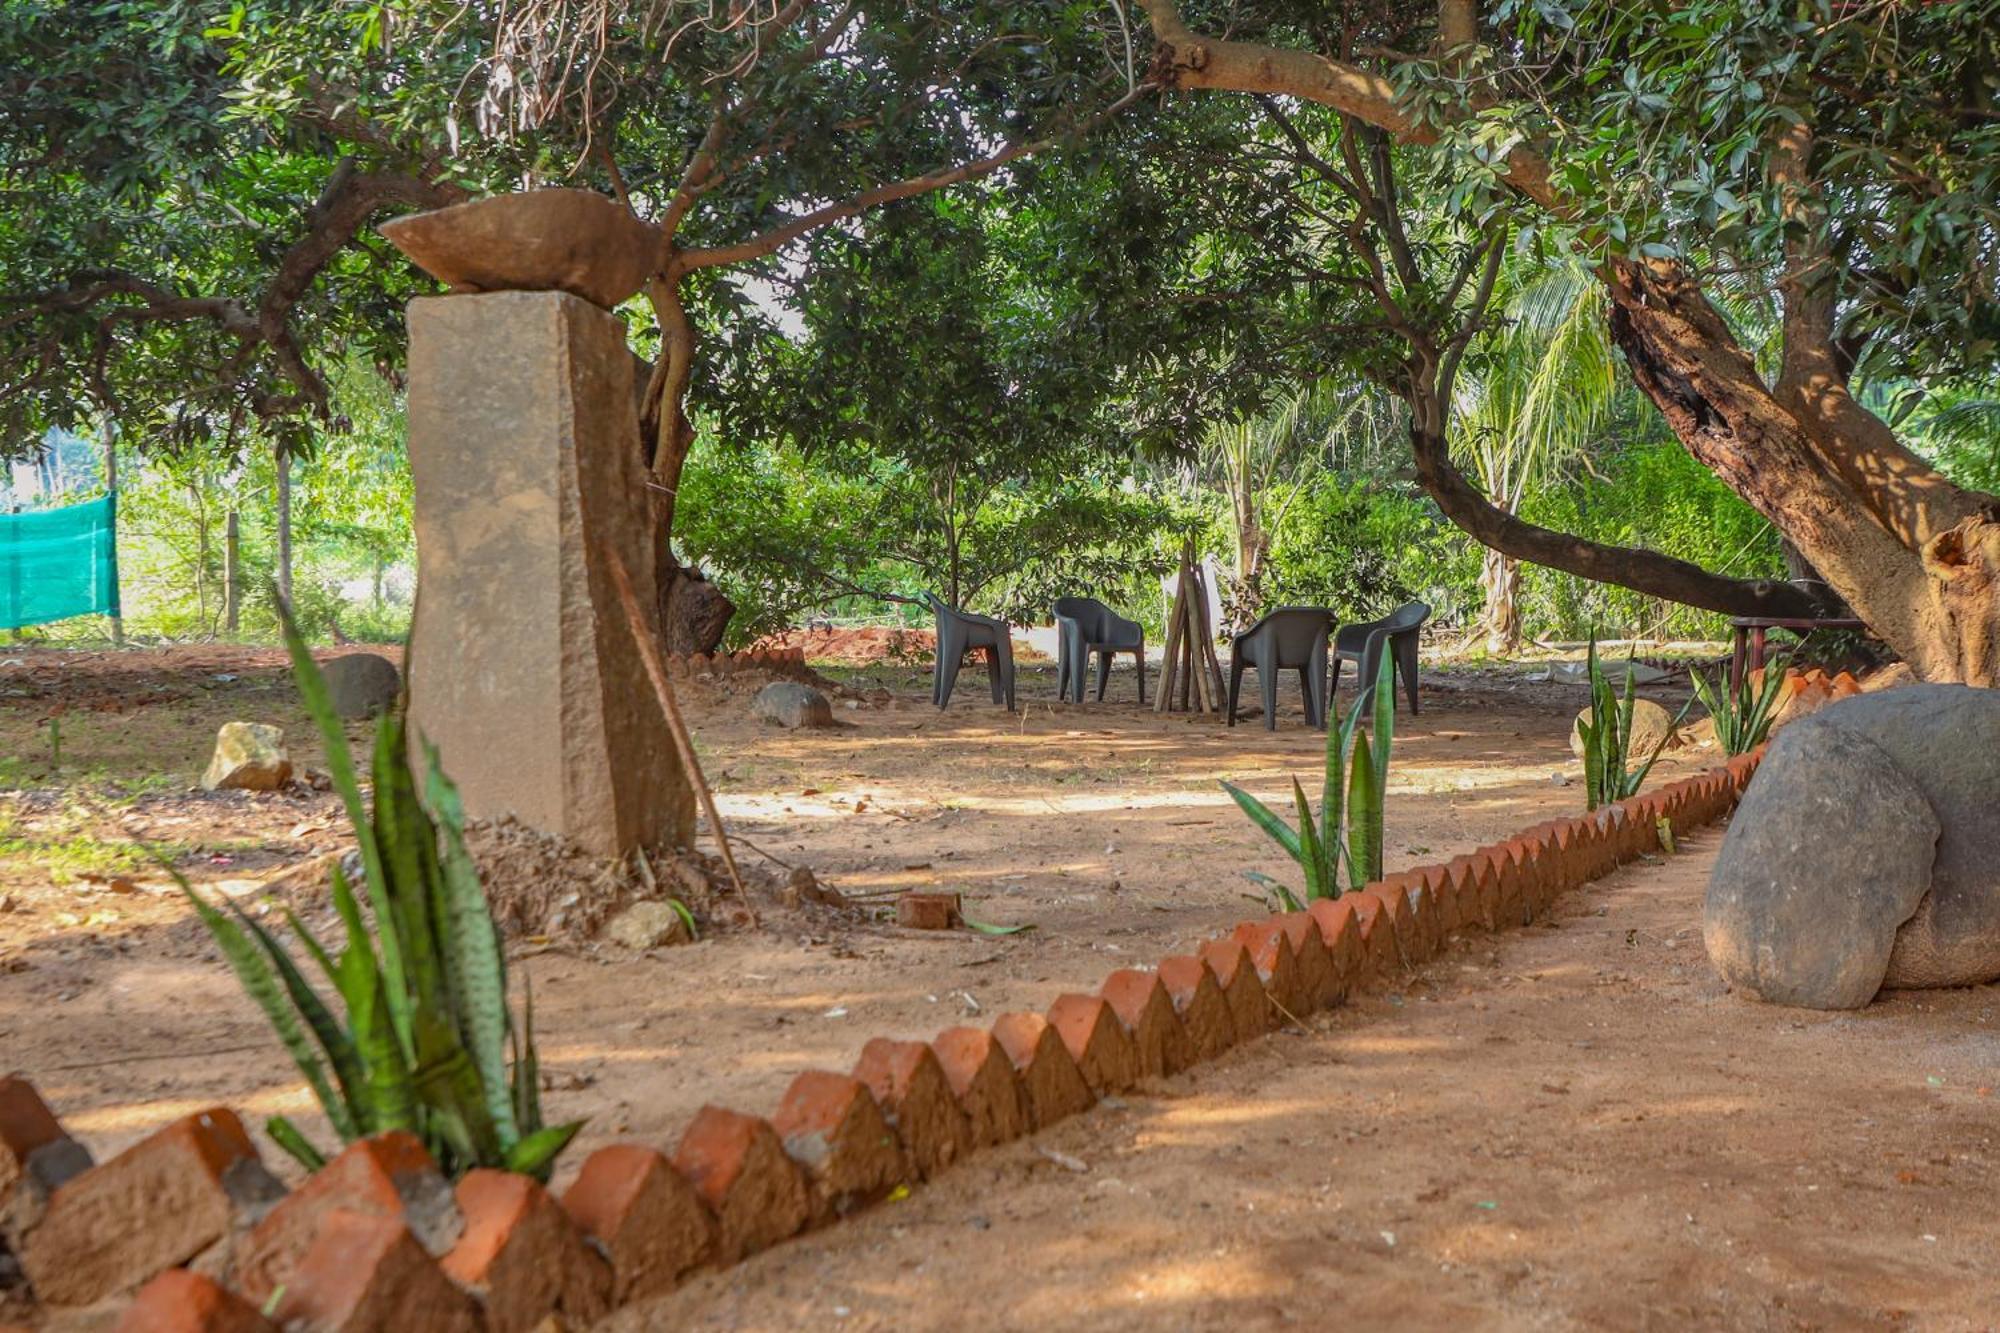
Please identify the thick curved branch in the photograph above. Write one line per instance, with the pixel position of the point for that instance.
(1643, 571)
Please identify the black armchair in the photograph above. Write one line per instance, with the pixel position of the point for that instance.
(1289, 638)
(1363, 645)
(958, 632)
(1085, 626)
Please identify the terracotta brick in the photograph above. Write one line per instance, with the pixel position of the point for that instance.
(36, 1155)
(180, 1301)
(1319, 977)
(984, 1081)
(1477, 908)
(651, 1225)
(1097, 1041)
(1378, 934)
(1055, 1087)
(739, 1168)
(1343, 942)
(1142, 1004)
(1199, 1001)
(1460, 895)
(1340, 933)
(387, 1175)
(1392, 891)
(522, 1256)
(366, 1274)
(910, 1087)
(155, 1205)
(831, 1126)
(928, 911)
(1271, 952)
(1510, 900)
(1250, 1011)
(1438, 901)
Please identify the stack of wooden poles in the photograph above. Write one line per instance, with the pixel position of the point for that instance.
(1192, 675)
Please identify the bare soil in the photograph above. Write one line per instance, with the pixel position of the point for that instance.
(1266, 1181)
(1568, 1127)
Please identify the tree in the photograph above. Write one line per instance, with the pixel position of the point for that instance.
(1848, 155)
(1534, 393)
(962, 415)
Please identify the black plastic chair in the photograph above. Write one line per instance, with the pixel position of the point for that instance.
(1287, 639)
(958, 632)
(1362, 645)
(1085, 626)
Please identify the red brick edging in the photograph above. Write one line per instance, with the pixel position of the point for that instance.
(378, 1240)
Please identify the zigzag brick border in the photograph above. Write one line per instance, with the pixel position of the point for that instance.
(358, 1248)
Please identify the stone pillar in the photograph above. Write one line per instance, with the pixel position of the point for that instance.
(524, 453)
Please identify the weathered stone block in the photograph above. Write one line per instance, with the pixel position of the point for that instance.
(523, 671)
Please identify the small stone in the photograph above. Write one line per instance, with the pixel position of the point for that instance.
(249, 756)
(647, 924)
(362, 684)
(792, 705)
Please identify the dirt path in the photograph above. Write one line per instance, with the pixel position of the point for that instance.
(1567, 1127)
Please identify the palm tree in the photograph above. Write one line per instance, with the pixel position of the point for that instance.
(1537, 392)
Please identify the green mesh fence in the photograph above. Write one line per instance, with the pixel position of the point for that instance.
(57, 563)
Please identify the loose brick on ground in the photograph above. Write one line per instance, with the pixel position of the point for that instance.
(647, 1217)
(739, 1168)
(368, 1274)
(982, 1077)
(1203, 1010)
(1097, 1041)
(831, 1126)
(180, 1301)
(155, 1205)
(910, 1087)
(1055, 1087)
(1147, 1011)
(384, 1175)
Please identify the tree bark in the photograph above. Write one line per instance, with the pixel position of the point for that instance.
(1500, 598)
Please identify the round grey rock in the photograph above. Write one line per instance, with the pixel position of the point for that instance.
(790, 704)
(1946, 740)
(1828, 854)
(362, 684)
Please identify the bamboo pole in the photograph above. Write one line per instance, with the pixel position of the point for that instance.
(649, 653)
(1170, 661)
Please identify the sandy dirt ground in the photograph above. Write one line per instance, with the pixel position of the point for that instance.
(1698, 1161)
(1567, 1127)
(1102, 826)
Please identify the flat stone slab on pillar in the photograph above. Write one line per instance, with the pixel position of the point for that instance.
(524, 452)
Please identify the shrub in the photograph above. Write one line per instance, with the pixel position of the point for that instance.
(426, 1041)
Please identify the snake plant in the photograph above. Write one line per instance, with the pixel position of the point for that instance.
(1742, 714)
(424, 1040)
(1607, 737)
(1348, 834)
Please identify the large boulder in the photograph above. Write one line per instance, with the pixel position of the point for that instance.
(249, 756)
(790, 704)
(1866, 849)
(362, 684)
(1946, 739)
(1829, 853)
(1651, 725)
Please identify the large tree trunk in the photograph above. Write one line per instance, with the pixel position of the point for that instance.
(1914, 555)
(693, 612)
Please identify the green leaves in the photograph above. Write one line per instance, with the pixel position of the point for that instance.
(1353, 792)
(1607, 737)
(426, 1042)
(1742, 715)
